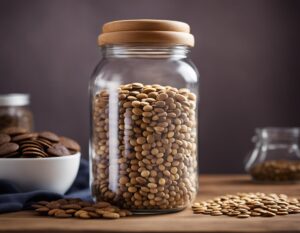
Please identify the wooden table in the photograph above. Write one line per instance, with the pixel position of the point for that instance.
(185, 221)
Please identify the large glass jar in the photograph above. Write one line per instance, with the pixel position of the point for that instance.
(276, 155)
(143, 147)
(15, 112)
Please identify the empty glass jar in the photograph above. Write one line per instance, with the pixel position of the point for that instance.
(143, 147)
(276, 156)
(15, 112)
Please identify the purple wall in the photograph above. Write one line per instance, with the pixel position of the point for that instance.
(247, 53)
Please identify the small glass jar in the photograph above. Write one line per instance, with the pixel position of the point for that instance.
(143, 147)
(15, 112)
(276, 156)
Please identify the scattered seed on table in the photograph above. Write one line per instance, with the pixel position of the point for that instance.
(246, 205)
(79, 209)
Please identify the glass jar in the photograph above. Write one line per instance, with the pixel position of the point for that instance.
(143, 147)
(276, 156)
(14, 111)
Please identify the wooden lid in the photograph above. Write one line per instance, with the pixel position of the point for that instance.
(146, 31)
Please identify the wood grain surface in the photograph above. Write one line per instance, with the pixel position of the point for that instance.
(184, 221)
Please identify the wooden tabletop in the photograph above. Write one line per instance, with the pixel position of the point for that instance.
(184, 221)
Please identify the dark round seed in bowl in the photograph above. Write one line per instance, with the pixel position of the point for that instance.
(4, 138)
(58, 150)
(8, 148)
(49, 136)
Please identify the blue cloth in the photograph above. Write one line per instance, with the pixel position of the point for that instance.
(13, 199)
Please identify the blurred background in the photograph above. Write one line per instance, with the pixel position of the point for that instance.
(247, 53)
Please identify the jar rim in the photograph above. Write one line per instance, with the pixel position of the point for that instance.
(278, 130)
(277, 133)
(14, 99)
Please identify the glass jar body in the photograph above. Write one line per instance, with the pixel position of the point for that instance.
(276, 156)
(143, 147)
(16, 116)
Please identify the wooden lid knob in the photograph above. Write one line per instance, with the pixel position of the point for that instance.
(146, 31)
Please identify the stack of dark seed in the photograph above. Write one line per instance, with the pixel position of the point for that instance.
(19, 143)
(68, 208)
(245, 205)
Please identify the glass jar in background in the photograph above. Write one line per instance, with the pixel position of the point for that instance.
(143, 147)
(15, 112)
(276, 156)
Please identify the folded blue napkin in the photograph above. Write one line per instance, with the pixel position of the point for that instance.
(13, 199)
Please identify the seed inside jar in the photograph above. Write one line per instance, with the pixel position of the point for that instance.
(156, 165)
(276, 170)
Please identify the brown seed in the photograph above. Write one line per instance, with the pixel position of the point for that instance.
(69, 143)
(78, 212)
(162, 97)
(53, 211)
(147, 108)
(243, 216)
(180, 98)
(44, 142)
(216, 213)
(42, 210)
(282, 213)
(141, 180)
(123, 180)
(49, 136)
(132, 189)
(295, 211)
(145, 173)
(110, 215)
(122, 213)
(58, 150)
(137, 111)
(255, 214)
(70, 211)
(7, 148)
(141, 140)
(268, 214)
(71, 206)
(24, 136)
(94, 215)
(162, 181)
(84, 215)
(4, 138)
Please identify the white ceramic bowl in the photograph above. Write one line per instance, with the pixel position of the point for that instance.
(54, 174)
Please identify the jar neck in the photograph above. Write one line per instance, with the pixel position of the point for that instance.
(146, 51)
(277, 135)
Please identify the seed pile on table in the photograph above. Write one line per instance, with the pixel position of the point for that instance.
(68, 208)
(20, 143)
(245, 205)
(276, 170)
(156, 165)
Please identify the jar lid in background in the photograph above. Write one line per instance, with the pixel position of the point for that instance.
(14, 99)
(146, 31)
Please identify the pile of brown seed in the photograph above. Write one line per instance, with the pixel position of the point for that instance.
(245, 205)
(68, 208)
(20, 143)
(276, 170)
(156, 164)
